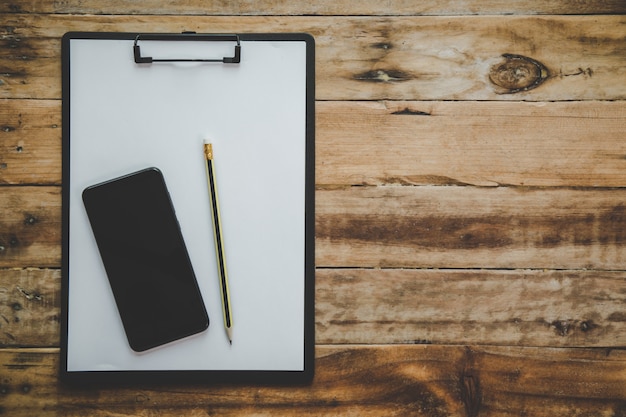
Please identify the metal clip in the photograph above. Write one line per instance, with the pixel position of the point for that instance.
(187, 36)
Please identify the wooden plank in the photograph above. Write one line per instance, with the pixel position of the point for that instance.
(30, 227)
(409, 143)
(416, 227)
(363, 306)
(470, 227)
(30, 142)
(402, 58)
(352, 380)
(503, 370)
(30, 305)
(320, 7)
(504, 307)
(479, 143)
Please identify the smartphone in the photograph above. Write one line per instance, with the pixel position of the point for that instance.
(146, 261)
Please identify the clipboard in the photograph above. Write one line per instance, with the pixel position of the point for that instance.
(133, 100)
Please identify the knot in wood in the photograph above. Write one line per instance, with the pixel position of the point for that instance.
(518, 73)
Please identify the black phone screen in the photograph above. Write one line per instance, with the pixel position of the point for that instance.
(145, 258)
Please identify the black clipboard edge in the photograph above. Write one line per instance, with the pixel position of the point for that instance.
(90, 378)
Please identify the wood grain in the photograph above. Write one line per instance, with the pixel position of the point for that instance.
(396, 142)
(470, 227)
(477, 143)
(373, 58)
(30, 142)
(396, 380)
(395, 306)
(416, 227)
(30, 227)
(502, 307)
(320, 7)
(30, 307)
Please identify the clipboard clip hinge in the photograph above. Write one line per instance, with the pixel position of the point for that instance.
(187, 36)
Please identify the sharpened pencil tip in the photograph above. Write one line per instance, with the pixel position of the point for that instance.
(229, 335)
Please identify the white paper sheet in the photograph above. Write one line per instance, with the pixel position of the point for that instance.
(125, 117)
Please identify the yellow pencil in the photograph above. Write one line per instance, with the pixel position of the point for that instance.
(219, 242)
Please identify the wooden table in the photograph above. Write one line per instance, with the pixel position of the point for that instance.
(471, 207)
